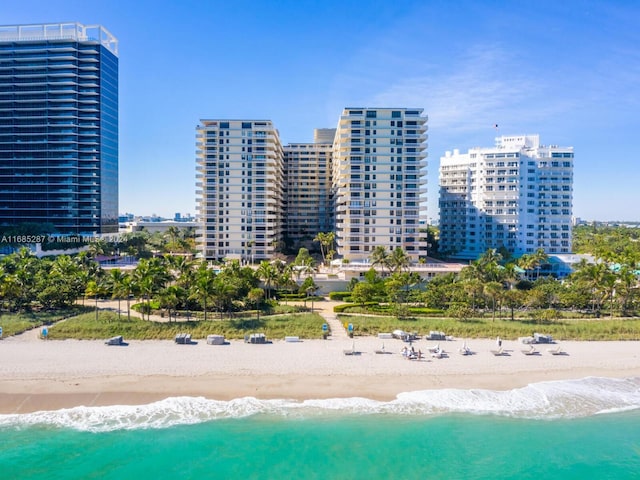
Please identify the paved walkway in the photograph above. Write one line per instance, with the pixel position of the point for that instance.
(325, 310)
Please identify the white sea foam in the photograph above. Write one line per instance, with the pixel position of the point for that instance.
(558, 399)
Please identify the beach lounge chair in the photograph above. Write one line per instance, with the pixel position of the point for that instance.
(500, 352)
(464, 350)
(438, 353)
(556, 351)
(352, 351)
(530, 351)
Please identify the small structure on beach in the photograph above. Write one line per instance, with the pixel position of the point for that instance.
(541, 338)
(434, 335)
(117, 340)
(255, 338)
(215, 339)
(183, 338)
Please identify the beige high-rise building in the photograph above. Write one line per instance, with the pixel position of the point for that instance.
(365, 181)
(240, 189)
(378, 181)
(308, 188)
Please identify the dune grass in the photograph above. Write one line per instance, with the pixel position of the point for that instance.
(565, 329)
(16, 323)
(86, 327)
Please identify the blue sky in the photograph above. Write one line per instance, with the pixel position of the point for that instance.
(569, 71)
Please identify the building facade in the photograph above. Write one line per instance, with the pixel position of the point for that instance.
(59, 127)
(517, 195)
(378, 182)
(240, 189)
(308, 188)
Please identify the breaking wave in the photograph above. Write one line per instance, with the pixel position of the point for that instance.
(545, 400)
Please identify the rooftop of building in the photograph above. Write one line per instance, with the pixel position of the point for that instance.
(59, 31)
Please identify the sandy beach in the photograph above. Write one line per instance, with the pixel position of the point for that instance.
(47, 375)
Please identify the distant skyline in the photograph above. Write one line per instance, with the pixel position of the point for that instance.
(569, 71)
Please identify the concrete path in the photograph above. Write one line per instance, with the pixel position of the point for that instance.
(325, 310)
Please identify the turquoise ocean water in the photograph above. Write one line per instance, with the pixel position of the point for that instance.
(582, 429)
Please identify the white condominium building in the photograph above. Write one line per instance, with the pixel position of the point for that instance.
(378, 182)
(308, 188)
(517, 195)
(240, 189)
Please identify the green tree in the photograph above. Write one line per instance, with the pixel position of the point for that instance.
(171, 297)
(151, 276)
(203, 287)
(115, 282)
(380, 256)
(494, 291)
(94, 289)
(399, 260)
(363, 292)
(268, 274)
(326, 241)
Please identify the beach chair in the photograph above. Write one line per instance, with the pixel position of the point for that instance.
(439, 353)
(498, 353)
(556, 351)
(352, 351)
(530, 351)
(464, 350)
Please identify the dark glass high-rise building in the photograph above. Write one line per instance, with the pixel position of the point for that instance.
(59, 127)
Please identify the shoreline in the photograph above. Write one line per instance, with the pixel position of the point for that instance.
(49, 375)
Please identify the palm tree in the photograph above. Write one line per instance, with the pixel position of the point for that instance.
(473, 287)
(223, 295)
(268, 274)
(539, 258)
(180, 268)
(94, 289)
(203, 286)
(129, 288)
(326, 242)
(380, 256)
(399, 260)
(151, 275)
(592, 276)
(493, 290)
(171, 297)
(115, 281)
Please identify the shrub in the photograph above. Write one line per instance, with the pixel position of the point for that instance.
(350, 306)
(339, 296)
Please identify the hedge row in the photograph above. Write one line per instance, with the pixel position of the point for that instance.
(340, 296)
(346, 306)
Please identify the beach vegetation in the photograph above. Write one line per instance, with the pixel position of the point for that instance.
(494, 286)
(108, 324)
(16, 323)
(473, 327)
(340, 296)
